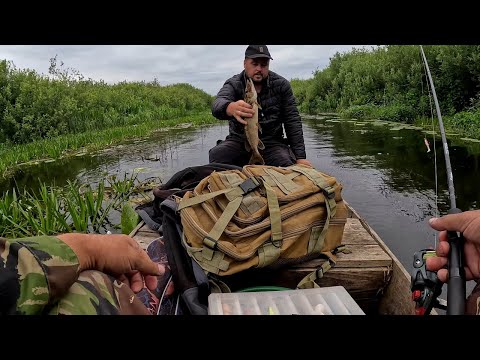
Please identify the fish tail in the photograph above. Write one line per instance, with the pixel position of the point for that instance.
(256, 159)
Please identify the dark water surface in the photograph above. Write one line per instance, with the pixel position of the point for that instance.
(386, 172)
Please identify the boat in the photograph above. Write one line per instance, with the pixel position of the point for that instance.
(369, 270)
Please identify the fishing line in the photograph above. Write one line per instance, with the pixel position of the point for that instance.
(456, 289)
(176, 306)
(163, 295)
(436, 212)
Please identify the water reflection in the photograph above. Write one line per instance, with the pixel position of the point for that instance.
(161, 155)
(389, 177)
(402, 158)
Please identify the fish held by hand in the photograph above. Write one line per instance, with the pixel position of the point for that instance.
(253, 143)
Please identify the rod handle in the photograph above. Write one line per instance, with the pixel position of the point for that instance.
(456, 290)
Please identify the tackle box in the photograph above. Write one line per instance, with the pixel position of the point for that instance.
(333, 300)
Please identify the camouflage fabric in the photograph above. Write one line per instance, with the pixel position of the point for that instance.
(48, 281)
(95, 293)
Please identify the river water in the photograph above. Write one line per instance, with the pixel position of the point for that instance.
(386, 172)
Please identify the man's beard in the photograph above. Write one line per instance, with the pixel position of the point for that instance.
(258, 81)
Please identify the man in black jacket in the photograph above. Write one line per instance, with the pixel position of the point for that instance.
(278, 112)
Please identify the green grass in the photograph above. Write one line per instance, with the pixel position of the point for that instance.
(74, 208)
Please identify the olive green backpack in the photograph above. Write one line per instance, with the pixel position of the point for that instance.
(263, 216)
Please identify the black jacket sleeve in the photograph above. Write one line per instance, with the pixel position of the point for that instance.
(225, 96)
(292, 122)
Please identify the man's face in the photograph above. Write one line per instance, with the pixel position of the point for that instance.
(257, 69)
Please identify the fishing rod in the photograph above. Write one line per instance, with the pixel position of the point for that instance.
(456, 290)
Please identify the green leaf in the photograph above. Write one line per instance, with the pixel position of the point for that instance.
(129, 219)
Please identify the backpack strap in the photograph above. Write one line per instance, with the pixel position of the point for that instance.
(284, 182)
(201, 198)
(270, 251)
(319, 180)
(210, 258)
(210, 241)
(241, 189)
(309, 281)
(218, 286)
(330, 203)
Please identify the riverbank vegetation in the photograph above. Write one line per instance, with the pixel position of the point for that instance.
(14, 156)
(49, 116)
(74, 208)
(390, 83)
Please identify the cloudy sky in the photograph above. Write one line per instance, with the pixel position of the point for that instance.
(203, 66)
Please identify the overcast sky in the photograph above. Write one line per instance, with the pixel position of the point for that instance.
(203, 66)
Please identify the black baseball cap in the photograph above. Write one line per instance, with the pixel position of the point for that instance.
(257, 51)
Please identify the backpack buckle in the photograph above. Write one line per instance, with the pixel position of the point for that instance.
(249, 185)
(277, 243)
(319, 273)
(210, 242)
(329, 192)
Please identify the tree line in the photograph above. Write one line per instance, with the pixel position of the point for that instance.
(34, 106)
(384, 82)
(390, 83)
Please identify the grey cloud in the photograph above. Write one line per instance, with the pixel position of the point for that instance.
(203, 66)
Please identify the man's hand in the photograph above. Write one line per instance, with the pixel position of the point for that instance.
(304, 162)
(239, 110)
(117, 255)
(468, 223)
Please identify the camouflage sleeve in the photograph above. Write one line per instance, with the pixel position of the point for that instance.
(97, 293)
(45, 269)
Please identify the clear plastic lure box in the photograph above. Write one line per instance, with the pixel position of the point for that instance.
(334, 300)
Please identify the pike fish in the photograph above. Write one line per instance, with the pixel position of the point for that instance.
(253, 143)
(426, 144)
